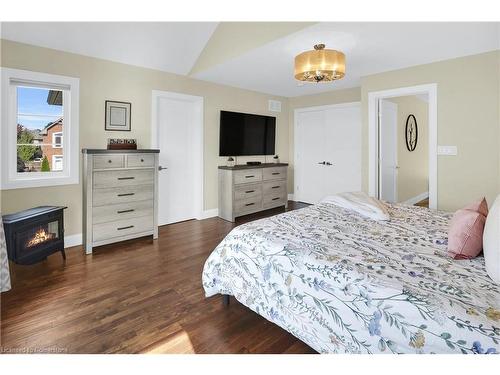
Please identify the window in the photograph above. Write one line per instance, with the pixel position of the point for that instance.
(57, 162)
(57, 140)
(39, 129)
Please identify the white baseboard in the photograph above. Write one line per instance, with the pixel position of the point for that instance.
(290, 197)
(417, 199)
(208, 214)
(73, 240)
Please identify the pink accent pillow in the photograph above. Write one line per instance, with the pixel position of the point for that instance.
(479, 206)
(465, 235)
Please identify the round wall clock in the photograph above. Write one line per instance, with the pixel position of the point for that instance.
(411, 133)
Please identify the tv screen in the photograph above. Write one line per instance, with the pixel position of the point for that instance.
(246, 134)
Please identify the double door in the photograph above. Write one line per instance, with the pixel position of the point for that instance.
(328, 151)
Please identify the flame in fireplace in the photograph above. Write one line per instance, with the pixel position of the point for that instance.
(40, 236)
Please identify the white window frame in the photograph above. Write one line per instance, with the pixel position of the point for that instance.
(57, 134)
(54, 157)
(9, 177)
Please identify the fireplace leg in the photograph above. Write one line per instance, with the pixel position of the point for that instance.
(63, 254)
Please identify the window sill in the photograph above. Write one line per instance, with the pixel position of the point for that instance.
(36, 182)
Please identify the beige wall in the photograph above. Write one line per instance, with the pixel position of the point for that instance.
(468, 116)
(413, 172)
(326, 98)
(101, 80)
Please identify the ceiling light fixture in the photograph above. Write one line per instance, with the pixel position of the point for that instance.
(320, 65)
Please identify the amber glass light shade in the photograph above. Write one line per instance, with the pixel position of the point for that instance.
(320, 65)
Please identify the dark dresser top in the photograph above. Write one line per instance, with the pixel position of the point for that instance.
(245, 166)
(29, 213)
(105, 151)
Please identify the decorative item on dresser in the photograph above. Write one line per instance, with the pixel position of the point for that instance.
(245, 189)
(120, 195)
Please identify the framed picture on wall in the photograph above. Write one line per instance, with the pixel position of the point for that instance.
(117, 116)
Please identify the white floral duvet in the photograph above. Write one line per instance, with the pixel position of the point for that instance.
(343, 283)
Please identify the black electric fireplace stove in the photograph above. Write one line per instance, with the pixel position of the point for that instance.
(34, 234)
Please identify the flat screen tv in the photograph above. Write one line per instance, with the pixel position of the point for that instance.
(246, 134)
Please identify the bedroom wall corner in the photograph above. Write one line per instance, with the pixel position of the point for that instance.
(467, 108)
(102, 80)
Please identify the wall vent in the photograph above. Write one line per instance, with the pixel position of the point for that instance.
(274, 106)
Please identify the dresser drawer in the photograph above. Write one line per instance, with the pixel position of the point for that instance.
(274, 173)
(126, 177)
(247, 175)
(141, 160)
(247, 191)
(247, 205)
(274, 200)
(107, 196)
(108, 161)
(121, 228)
(274, 187)
(104, 214)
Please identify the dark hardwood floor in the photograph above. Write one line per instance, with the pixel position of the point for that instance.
(423, 203)
(140, 296)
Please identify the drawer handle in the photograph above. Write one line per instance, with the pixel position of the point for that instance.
(249, 191)
(109, 161)
(127, 227)
(125, 211)
(275, 199)
(249, 204)
(142, 160)
(125, 194)
(275, 173)
(275, 187)
(249, 176)
(126, 178)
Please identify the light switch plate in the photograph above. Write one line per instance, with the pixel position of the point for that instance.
(447, 150)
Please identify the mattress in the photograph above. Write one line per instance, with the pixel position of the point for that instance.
(343, 283)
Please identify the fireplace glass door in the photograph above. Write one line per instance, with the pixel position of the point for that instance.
(35, 237)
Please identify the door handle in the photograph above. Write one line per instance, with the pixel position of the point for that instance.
(322, 162)
(160, 168)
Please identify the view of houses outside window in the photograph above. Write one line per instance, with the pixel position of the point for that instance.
(40, 133)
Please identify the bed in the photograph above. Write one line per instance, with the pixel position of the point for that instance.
(343, 283)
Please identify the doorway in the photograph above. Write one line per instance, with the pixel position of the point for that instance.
(177, 131)
(404, 150)
(375, 101)
(327, 151)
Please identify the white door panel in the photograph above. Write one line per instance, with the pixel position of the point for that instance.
(331, 136)
(176, 182)
(310, 154)
(388, 152)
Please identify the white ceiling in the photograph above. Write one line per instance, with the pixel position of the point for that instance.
(369, 47)
(175, 47)
(169, 46)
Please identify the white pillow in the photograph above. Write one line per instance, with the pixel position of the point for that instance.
(361, 203)
(491, 242)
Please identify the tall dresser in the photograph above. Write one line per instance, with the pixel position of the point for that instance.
(245, 189)
(120, 195)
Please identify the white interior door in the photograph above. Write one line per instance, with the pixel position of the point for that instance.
(388, 159)
(328, 151)
(176, 127)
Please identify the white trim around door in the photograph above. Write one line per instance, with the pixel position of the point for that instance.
(373, 100)
(197, 141)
